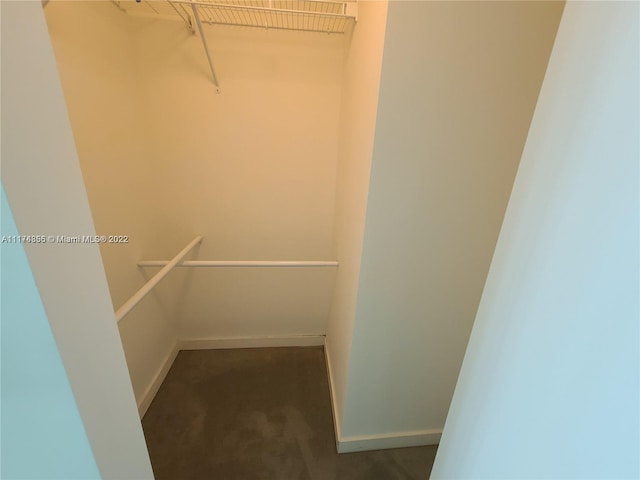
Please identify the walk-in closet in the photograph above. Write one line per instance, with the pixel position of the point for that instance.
(319, 239)
(321, 181)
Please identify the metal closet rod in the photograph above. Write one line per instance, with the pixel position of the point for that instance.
(242, 263)
(168, 265)
(147, 287)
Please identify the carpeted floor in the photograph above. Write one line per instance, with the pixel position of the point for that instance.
(259, 414)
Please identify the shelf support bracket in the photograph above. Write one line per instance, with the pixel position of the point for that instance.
(184, 15)
(196, 15)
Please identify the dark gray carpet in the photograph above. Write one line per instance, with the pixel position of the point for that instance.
(259, 414)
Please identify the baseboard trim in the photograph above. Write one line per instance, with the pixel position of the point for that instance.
(356, 443)
(383, 441)
(217, 343)
(159, 377)
(416, 438)
(334, 408)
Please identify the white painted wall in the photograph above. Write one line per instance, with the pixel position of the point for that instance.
(164, 158)
(458, 88)
(550, 382)
(361, 83)
(252, 169)
(42, 178)
(97, 56)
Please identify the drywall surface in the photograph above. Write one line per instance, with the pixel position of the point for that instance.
(96, 53)
(42, 179)
(458, 89)
(251, 169)
(553, 358)
(361, 82)
(41, 430)
(165, 158)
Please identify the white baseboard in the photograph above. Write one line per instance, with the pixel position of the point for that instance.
(416, 438)
(217, 343)
(336, 418)
(343, 444)
(159, 377)
(383, 441)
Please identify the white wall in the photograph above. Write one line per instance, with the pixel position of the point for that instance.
(98, 61)
(164, 158)
(361, 83)
(550, 382)
(252, 169)
(43, 182)
(458, 88)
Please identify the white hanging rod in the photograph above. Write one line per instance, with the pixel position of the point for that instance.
(147, 287)
(242, 263)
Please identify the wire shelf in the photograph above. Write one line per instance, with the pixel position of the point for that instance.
(325, 16)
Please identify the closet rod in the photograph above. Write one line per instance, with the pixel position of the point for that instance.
(147, 287)
(242, 263)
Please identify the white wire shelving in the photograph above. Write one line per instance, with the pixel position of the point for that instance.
(324, 16)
